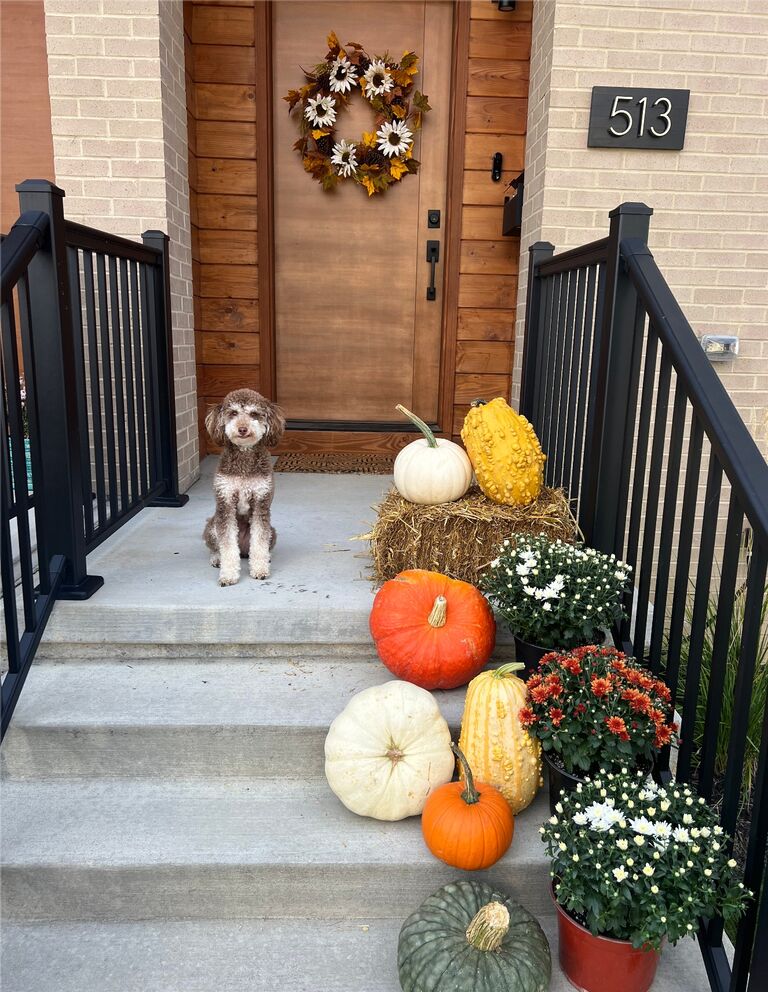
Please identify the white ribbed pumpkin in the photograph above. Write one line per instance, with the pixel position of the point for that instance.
(431, 470)
(388, 750)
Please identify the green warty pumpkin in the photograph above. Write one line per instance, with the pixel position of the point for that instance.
(466, 937)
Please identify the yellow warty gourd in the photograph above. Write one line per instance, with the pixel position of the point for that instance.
(504, 451)
(499, 750)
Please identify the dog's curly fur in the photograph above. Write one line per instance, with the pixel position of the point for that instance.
(246, 425)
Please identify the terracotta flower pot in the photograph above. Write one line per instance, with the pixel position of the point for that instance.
(593, 964)
(559, 780)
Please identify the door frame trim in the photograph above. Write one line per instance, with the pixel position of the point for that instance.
(453, 203)
(265, 215)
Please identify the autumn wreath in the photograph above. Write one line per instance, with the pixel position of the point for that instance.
(385, 154)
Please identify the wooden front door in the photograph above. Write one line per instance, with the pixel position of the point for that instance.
(354, 331)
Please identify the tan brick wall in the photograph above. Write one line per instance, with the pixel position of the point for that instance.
(709, 233)
(118, 117)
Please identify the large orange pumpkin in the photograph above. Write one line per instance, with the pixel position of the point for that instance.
(467, 825)
(431, 630)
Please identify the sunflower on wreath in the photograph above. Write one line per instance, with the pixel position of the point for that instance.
(379, 157)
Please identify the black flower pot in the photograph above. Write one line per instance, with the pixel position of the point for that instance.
(530, 655)
(559, 780)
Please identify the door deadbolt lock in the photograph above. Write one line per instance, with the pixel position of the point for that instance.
(433, 218)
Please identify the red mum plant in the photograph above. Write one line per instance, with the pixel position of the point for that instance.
(594, 708)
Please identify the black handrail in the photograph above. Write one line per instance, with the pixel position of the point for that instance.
(19, 246)
(736, 449)
(89, 239)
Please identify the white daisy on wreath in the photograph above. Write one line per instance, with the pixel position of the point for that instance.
(344, 158)
(394, 138)
(321, 111)
(342, 76)
(379, 79)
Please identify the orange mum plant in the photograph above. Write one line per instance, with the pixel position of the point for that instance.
(593, 708)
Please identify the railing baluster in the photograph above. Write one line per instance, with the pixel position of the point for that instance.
(684, 545)
(138, 360)
(150, 399)
(18, 461)
(82, 406)
(587, 494)
(641, 459)
(122, 457)
(555, 372)
(584, 359)
(125, 290)
(664, 555)
(6, 546)
(721, 639)
(574, 366)
(563, 365)
(94, 380)
(651, 508)
(33, 423)
(106, 379)
(542, 354)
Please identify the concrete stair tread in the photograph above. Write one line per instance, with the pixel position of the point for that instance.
(278, 955)
(101, 823)
(275, 693)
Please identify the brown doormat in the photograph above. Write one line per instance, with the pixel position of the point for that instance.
(331, 462)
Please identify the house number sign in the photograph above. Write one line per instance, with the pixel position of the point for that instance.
(637, 118)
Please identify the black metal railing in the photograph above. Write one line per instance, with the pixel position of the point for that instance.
(86, 321)
(665, 475)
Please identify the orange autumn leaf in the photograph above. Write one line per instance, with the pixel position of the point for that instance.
(397, 168)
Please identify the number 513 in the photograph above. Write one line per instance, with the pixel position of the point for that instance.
(642, 103)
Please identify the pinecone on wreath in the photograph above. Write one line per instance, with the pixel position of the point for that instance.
(325, 144)
(375, 157)
(363, 66)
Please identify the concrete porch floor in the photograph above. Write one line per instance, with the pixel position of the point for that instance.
(160, 588)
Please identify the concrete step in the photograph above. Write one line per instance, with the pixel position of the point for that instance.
(137, 850)
(159, 587)
(186, 719)
(284, 955)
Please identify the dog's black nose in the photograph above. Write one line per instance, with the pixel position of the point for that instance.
(242, 431)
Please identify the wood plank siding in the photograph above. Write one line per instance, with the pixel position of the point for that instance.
(222, 100)
(221, 104)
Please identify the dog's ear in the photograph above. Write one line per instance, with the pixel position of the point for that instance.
(214, 424)
(275, 424)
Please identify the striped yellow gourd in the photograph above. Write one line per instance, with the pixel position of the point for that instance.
(500, 751)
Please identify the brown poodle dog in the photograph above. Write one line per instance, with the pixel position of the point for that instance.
(246, 425)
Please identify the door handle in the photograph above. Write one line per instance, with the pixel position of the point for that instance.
(433, 256)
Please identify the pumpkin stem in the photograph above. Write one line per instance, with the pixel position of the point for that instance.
(489, 927)
(470, 795)
(478, 402)
(509, 669)
(425, 430)
(439, 612)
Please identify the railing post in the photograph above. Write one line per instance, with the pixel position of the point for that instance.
(602, 487)
(59, 506)
(537, 253)
(161, 336)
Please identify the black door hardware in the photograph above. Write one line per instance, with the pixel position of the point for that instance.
(498, 159)
(433, 256)
(433, 218)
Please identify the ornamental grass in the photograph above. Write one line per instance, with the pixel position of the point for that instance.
(592, 708)
(640, 862)
(460, 538)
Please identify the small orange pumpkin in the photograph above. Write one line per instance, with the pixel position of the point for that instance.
(431, 630)
(465, 825)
